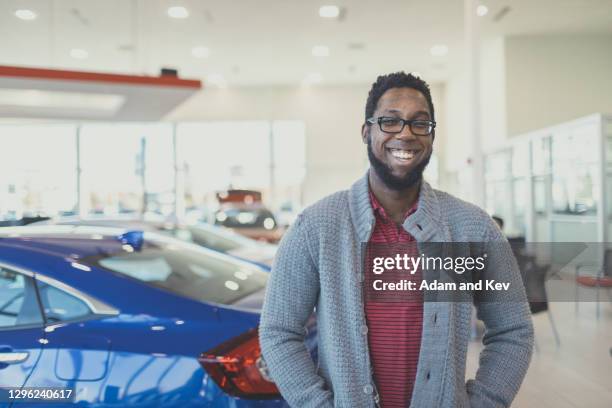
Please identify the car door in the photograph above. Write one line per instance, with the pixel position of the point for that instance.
(22, 334)
(76, 355)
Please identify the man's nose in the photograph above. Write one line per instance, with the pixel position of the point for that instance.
(406, 133)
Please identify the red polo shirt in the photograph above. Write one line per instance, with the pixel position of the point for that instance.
(394, 318)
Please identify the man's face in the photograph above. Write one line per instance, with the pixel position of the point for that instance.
(399, 159)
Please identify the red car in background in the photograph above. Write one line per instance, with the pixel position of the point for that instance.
(244, 212)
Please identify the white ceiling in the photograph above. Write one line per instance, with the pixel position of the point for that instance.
(259, 42)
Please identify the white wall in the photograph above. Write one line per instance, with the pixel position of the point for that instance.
(556, 78)
(526, 83)
(335, 155)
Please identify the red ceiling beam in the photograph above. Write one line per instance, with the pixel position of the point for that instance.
(64, 75)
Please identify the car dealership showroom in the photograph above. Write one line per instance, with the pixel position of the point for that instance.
(191, 194)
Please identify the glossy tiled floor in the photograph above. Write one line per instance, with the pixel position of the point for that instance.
(578, 373)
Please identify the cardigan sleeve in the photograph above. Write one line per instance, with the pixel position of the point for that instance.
(508, 338)
(291, 295)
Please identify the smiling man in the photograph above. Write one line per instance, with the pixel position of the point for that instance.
(390, 350)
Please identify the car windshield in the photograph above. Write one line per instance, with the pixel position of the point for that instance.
(186, 270)
(220, 239)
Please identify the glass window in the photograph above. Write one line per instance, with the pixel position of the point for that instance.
(18, 301)
(573, 190)
(60, 306)
(34, 181)
(539, 195)
(540, 156)
(188, 271)
(520, 207)
(120, 162)
(216, 156)
(575, 174)
(497, 166)
(289, 164)
(498, 199)
(269, 157)
(520, 160)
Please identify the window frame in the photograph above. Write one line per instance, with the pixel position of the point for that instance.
(97, 308)
(30, 276)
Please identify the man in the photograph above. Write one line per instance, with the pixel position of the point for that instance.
(390, 354)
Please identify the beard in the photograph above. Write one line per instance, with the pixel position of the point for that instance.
(385, 173)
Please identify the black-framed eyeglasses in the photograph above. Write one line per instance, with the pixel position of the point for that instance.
(396, 125)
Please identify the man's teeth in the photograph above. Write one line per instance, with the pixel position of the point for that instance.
(402, 154)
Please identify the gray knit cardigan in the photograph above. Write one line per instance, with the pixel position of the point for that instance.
(318, 264)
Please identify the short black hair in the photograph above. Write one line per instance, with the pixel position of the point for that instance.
(396, 80)
(499, 221)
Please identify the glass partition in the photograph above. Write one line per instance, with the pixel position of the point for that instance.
(575, 172)
(556, 182)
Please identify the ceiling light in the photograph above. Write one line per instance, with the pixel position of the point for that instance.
(320, 51)
(329, 11)
(313, 78)
(200, 52)
(482, 10)
(178, 12)
(78, 53)
(26, 14)
(439, 50)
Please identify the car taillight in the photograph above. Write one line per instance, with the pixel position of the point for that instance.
(238, 368)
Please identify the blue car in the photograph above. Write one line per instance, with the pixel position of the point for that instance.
(123, 318)
(207, 235)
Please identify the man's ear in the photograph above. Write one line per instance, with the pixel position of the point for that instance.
(365, 132)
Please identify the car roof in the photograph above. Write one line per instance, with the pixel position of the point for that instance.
(65, 240)
(123, 221)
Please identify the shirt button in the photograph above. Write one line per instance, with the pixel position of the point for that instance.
(368, 389)
(364, 329)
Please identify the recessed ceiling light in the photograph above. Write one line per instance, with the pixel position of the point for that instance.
(320, 51)
(312, 78)
(439, 50)
(200, 52)
(178, 12)
(26, 14)
(329, 11)
(482, 10)
(78, 53)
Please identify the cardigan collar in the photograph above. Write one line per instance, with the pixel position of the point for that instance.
(424, 225)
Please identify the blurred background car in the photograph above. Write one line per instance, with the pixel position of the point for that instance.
(131, 319)
(210, 236)
(245, 213)
(254, 221)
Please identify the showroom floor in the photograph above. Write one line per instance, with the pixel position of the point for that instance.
(576, 374)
